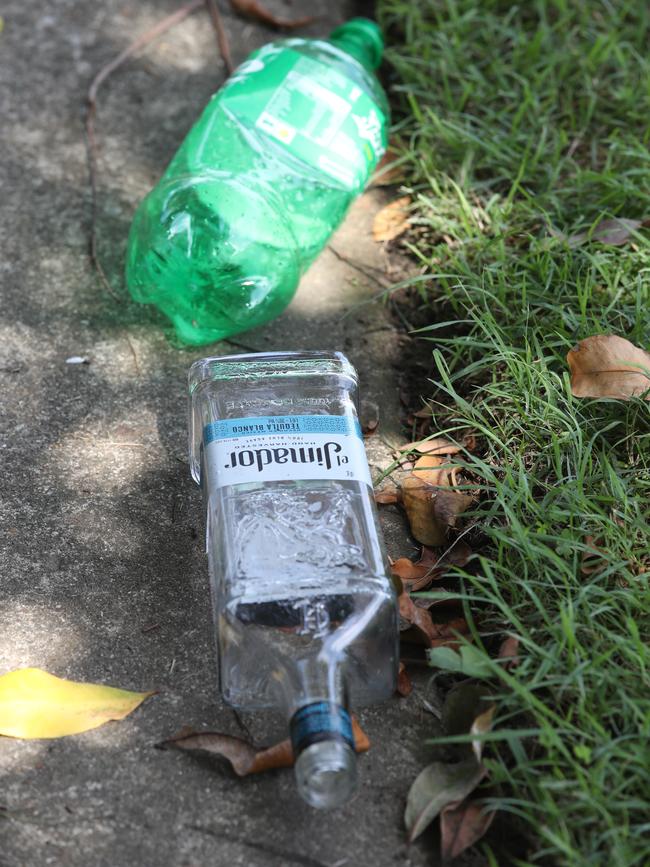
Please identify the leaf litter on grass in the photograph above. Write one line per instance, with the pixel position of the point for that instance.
(434, 493)
(442, 788)
(553, 470)
(614, 232)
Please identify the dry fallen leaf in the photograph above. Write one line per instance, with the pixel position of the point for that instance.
(606, 365)
(509, 652)
(482, 725)
(438, 597)
(386, 172)
(35, 704)
(252, 9)
(462, 824)
(437, 786)
(418, 498)
(388, 497)
(435, 445)
(404, 685)
(433, 469)
(593, 559)
(614, 232)
(469, 708)
(430, 567)
(431, 510)
(448, 505)
(369, 417)
(419, 574)
(392, 220)
(423, 629)
(416, 618)
(242, 756)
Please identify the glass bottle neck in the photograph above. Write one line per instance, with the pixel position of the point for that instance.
(314, 695)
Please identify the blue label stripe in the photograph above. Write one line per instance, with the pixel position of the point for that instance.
(280, 425)
(322, 720)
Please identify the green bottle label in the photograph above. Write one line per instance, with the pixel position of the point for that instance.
(312, 110)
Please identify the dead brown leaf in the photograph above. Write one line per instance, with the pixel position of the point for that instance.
(462, 824)
(413, 575)
(430, 567)
(435, 445)
(447, 633)
(468, 708)
(433, 469)
(481, 725)
(369, 417)
(614, 232)
(417, 619)
(404, 685)
(509, 652)
(419, 627)
(243, 757)
(432, 509)
(416, 575)
(436, 597)
(457, 554)
(253, 9)
(606, 365)
(437, 786)
(418, 499)
(386, 172)
(593, 559)
(392, 220)
(388, 496)
(448, 505)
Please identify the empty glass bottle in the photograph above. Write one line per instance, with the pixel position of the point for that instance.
(305, 613)
(261, 181)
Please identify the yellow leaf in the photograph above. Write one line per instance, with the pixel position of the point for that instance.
(35, 704)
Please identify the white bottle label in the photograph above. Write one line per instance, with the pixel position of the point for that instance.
(283, 448)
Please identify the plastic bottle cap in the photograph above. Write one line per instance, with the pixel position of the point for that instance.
(366, 31)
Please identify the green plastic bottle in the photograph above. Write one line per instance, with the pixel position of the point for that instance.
(260, 183)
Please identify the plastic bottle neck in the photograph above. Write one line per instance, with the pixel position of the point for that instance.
(323, 746)
(362, 39)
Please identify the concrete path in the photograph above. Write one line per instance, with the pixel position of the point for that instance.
(103, 576)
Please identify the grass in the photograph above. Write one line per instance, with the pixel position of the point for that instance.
(520, 125)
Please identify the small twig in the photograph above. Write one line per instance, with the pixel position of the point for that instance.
(134, 354)
(222, 36)
(281, 855)
(451, 547)
(91, 111)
